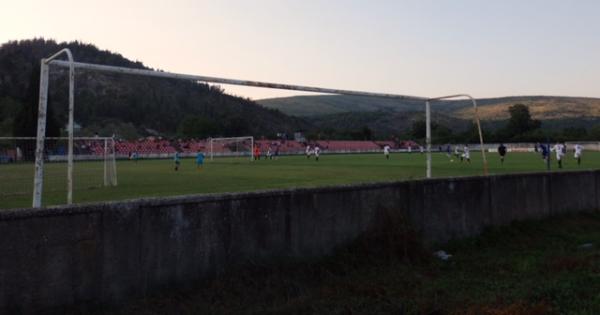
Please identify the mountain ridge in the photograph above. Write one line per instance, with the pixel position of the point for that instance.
(490, 108)
(125, 104)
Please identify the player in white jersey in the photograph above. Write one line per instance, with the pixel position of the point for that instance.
(578, 153)
(386, 152)
(466, 155)
(308, 151)
(559, 149)
(456, 152)
(317, 151)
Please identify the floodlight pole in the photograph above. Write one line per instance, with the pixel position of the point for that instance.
(485, 164)
(38, 181)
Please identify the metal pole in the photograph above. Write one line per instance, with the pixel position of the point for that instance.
(105, 162)
(428, 136)
(208, 79)
(485, 163)
(485, 166)
(114, 163)
(38, 180)
(71, 122)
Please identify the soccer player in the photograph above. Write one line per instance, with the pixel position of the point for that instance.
(317, 151)
(386, 152)
(133, 156)
(502, 152)
(276, 151)
(578, 153)
(269, 156)
(199, 160)
(177, 160)
(256, 153)
(559, 149)
(308, 151)
(545, 153)
(457, 153)
(466, 155)
(448, 154)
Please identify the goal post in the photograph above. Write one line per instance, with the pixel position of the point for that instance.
(94, 157)
(231, 146)
(72, 65)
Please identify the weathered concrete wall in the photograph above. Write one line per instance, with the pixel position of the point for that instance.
(104, 253)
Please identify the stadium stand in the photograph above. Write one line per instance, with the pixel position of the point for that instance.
(157, 147)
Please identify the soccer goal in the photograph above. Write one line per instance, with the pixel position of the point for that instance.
(234, 147)
(72, 65)
(94, 158)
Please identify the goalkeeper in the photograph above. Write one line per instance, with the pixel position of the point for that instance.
(199, 160)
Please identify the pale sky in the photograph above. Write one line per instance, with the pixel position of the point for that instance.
(425, 48)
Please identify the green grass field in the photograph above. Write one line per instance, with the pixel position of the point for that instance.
(152, 178)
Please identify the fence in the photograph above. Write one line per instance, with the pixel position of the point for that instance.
(106, 253)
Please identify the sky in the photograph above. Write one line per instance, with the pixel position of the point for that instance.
(425, 48)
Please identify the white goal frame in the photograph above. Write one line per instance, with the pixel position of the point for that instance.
(109, 159)
(71, 64)
(239, 139)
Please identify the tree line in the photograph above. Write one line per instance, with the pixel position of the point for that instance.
(520, 127)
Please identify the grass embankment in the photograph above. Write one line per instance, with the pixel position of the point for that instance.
(525, 268)
(153, 178)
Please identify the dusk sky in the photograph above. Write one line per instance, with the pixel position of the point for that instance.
(425, 48)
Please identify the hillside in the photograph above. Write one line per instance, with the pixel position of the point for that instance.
(542, 107)
(127, 105)
(315, 105)
(383, 123)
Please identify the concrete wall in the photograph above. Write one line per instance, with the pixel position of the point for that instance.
(105, 253)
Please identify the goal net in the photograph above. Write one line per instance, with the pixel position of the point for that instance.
(94, 167)
(231, 147)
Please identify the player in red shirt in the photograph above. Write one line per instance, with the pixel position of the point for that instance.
(256, 153)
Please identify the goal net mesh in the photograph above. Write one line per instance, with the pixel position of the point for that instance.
(94, 167)
(230, 147)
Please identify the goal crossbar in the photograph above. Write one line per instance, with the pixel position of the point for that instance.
(212, 140)
(71, 64)
(108, 145)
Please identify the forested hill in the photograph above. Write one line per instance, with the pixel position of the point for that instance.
(542, 107)
(131, 106)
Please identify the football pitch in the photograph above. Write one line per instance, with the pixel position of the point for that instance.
(153, 178)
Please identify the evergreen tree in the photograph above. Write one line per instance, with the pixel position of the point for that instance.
(25, 122)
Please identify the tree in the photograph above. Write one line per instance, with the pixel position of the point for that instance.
(575, 133)
(197, 127)
(594, 133)
(439, 133)
(25, 122)
(418, 129)
(366, 133)
(520, 121)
